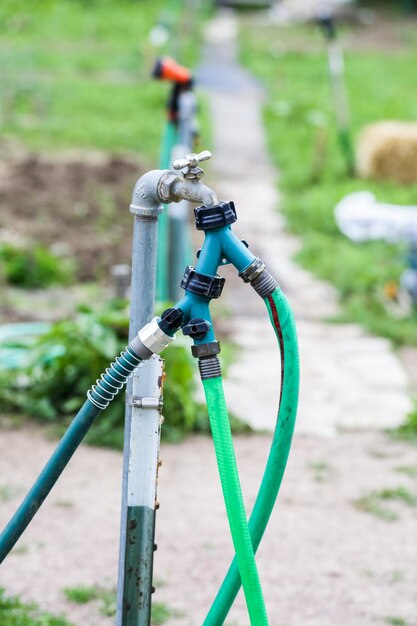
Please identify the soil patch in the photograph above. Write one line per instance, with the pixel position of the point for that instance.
(79, 207)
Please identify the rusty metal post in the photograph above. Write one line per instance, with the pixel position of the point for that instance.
(146, 401)
(142, 436)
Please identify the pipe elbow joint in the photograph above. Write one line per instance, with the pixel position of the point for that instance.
(146, 201)
(165, 186)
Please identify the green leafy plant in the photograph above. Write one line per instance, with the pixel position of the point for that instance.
(64, 361)
(33, 267)
(13, 612)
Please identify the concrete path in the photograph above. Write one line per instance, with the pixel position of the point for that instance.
(350, 380)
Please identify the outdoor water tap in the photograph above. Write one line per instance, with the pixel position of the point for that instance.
(189, 165)
(188, 187)
(165, 186)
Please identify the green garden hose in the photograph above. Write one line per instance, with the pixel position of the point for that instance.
(229, 477)
(283, 323)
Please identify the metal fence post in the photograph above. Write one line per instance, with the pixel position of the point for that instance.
(140, 466)
(338, 85)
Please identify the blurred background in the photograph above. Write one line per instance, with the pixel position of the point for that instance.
(310, 110)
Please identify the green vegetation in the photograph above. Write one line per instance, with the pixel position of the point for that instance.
(303, 143)
(82, 594)
(13, 612)
(33, 267)
(409, 470)
(161, 612)
(408, 430)
(64, 362)
(395, 621)
(77, 74)
(322, 471)
(373, 502)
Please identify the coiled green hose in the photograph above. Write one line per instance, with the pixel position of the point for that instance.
(283, 323)
(229, 477)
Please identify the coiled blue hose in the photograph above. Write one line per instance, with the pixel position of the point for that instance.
(99, 397)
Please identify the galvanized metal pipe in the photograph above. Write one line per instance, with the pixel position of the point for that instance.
(135, 578)
(142, 492)
(133, 600)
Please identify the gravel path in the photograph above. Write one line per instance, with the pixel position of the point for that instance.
(323, 561)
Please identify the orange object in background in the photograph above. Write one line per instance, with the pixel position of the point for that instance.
(166, 68)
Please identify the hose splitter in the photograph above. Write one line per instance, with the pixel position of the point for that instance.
(201, 284)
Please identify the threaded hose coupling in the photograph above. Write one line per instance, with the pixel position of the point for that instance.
(209, 367)
(260, 279)
(153, 337)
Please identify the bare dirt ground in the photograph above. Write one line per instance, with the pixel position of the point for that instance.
(322, 562)
(77, 204)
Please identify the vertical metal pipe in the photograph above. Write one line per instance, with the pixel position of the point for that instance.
(341, 105)
(141, 493)
(132, 598)
(179, 237)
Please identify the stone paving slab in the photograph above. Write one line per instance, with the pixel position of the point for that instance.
(349, 380)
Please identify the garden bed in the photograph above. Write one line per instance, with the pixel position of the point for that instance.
(78, 206)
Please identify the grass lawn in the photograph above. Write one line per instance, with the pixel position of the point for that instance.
(77, 74)
(13, 612)
(381, 79)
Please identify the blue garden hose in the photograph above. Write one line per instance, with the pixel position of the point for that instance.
(98, 399)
